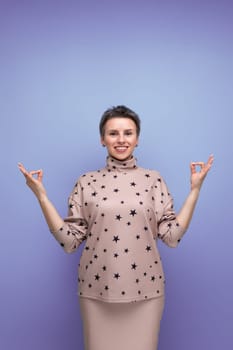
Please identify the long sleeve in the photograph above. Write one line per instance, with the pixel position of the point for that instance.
(74, 230)
(169, 229)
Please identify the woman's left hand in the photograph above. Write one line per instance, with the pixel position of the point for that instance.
(197, 177)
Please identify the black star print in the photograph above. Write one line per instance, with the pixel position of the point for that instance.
(144, 274)
(116, 190)
(126, 250)
(118, 217)
(115, 176)
(138, 236)
(116, 238)
(97, 277)
(102, 186)
(116, 275)
(94, 194)
(145, 228)
(147, 175)
(89, 285)
(87, 248)
(123, 292)
(71, 206)
(137, 280)
(133, 184)
(106, 288)
(159, 180)
(148, 248)
(132, 212)
(137, 194)
(152, 278)
(104, 268)
(141, 203)
(95, 256)
(133, 266)
(115, 255)
(104, 198)
(128, 223)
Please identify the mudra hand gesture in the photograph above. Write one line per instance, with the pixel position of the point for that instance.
(197, 177)
(34, 180)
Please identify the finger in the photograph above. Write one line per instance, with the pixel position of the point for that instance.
(40, 175)
(34, 172)
(210, 160)
(196, 164)
(22, 169)
(193, 168)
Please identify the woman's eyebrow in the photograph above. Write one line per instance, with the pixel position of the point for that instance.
(109, 130)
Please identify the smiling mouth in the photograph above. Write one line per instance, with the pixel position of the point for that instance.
(121, 148)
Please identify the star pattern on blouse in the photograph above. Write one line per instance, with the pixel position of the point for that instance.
(143, 193)
(116, 238)
(134, 266)
(116, 275)
(97, 277)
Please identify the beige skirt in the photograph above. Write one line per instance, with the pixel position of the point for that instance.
(125, 326)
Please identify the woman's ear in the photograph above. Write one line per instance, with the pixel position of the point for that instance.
(102, 142)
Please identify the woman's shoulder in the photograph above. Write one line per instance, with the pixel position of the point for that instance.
(148, 172)
(91, 175)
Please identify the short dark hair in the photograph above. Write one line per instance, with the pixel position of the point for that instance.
(119, 111)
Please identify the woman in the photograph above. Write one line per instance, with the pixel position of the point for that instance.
(121, 211)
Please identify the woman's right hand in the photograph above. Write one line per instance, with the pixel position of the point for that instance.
(35, 183)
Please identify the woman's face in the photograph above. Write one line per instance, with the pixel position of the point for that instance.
(120, 137)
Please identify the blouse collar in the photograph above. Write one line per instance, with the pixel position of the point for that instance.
(115, 164)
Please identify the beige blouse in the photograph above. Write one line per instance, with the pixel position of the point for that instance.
(121, 211)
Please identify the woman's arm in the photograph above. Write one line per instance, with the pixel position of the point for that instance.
(197, 177)
(53, 219)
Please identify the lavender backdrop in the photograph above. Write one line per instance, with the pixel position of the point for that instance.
(61, 64)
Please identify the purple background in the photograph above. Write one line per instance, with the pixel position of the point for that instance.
(62, 64)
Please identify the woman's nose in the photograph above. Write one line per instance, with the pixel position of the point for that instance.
(121, 138)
